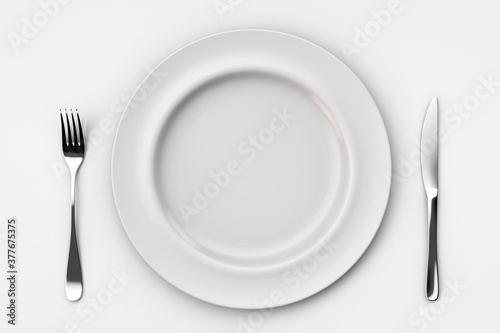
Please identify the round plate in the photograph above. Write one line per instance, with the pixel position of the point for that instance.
(249, 169)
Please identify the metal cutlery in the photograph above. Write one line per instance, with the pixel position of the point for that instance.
(73, 146)
(429, 165)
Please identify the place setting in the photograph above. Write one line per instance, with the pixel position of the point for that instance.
(255, 175)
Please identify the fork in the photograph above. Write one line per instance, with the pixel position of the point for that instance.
(73, 146)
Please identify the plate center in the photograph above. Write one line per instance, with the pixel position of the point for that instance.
(251, 169)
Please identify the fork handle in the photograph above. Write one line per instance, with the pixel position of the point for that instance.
(74, 280)
(432, 287)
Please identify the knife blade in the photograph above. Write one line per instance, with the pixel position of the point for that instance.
(429, 165)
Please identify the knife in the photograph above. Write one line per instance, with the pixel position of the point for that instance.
(429, 165)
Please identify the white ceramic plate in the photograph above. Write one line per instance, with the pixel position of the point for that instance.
(249, 169)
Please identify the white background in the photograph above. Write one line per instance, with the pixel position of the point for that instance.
(92, 54)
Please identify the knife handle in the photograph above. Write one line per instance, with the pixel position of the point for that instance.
(432, 287)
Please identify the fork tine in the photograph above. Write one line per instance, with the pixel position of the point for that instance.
(70, 137)
(64, 139)
(82, 141)
(75, 133)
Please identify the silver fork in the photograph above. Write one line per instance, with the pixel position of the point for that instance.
(73, 146)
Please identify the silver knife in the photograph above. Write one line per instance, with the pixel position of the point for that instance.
(429, 164)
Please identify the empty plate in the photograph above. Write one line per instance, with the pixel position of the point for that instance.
(250, 169)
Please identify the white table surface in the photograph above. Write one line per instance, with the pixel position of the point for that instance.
(92, 54)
